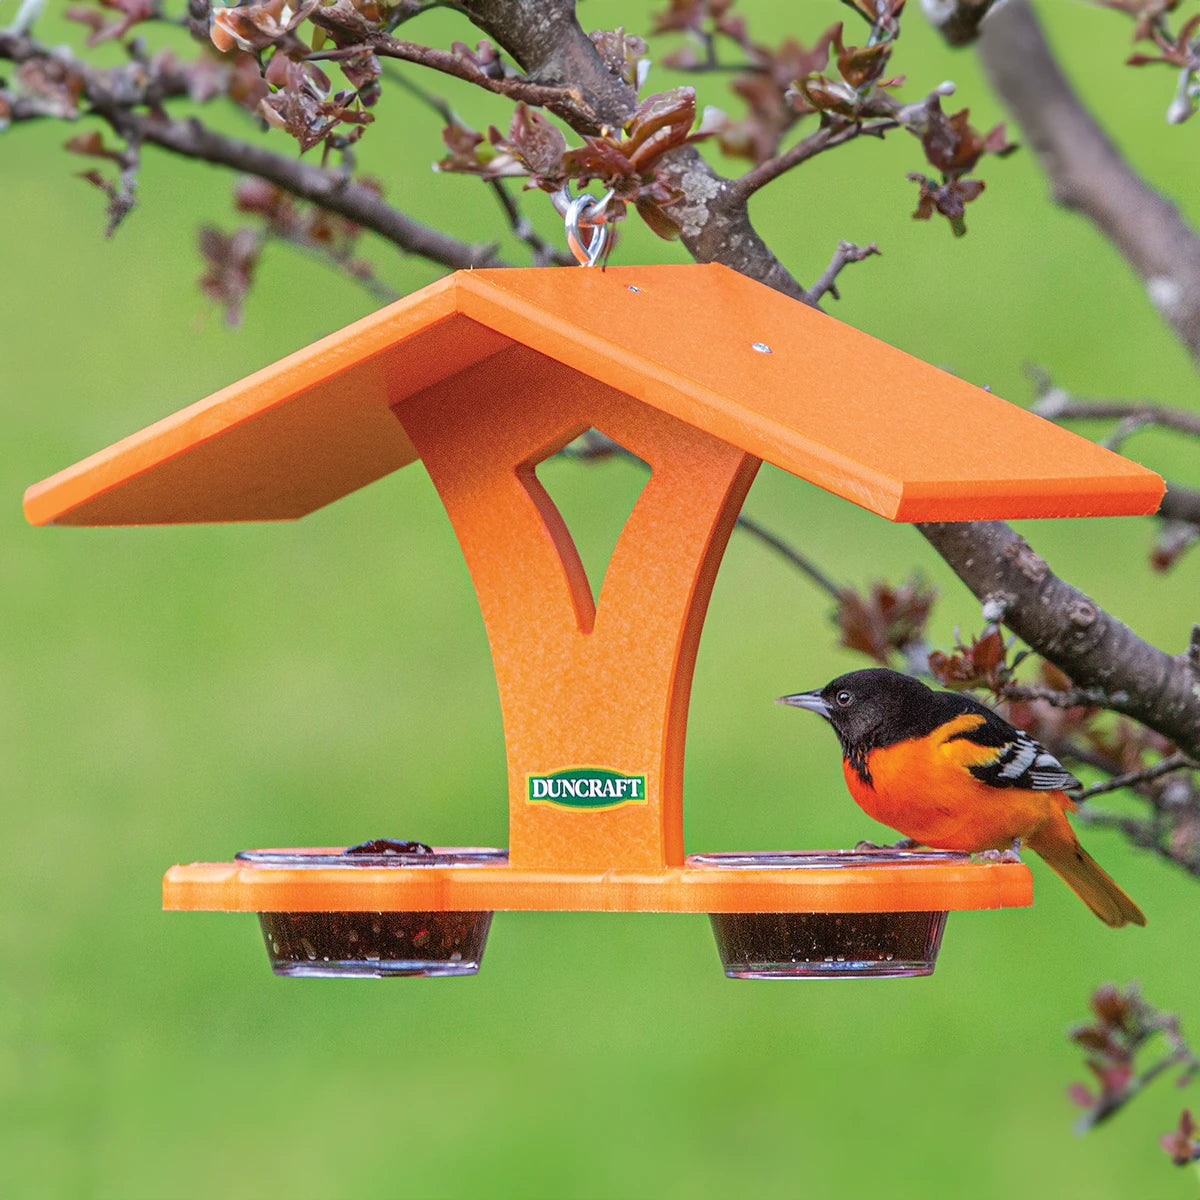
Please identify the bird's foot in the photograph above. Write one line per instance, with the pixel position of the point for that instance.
(902, 844)
(1011, 855)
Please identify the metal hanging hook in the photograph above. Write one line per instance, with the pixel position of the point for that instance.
(584, 212)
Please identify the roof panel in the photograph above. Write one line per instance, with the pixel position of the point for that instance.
(824, 400)
(284, 441)
(780, 380)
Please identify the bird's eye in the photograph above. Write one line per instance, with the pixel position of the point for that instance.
(843, 699)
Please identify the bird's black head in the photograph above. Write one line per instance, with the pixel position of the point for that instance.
(869, 708)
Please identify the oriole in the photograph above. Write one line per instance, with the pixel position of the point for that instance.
(948, 773)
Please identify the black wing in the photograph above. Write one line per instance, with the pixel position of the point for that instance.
(1020, 762)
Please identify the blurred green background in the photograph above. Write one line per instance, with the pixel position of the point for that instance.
(180, 694)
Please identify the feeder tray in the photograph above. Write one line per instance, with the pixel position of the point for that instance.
(833, 945)
(379, 945)
(703, 374)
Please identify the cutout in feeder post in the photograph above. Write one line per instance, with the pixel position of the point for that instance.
(702, 373)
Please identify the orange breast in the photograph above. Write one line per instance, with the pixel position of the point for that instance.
(924, 789)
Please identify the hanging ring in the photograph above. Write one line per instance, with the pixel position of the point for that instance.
(580, 213)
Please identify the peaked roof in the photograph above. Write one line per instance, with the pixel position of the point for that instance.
(778, 379)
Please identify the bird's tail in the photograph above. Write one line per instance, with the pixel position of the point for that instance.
(1057, 844)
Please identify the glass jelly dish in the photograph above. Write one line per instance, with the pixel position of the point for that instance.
(374, 945)
(827, 945)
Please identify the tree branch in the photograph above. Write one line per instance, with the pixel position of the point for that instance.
(1068, 698)
(1173, 762)
(1180, 504)
(1087, 173)
(332, 190)
(546, 40)
(116, 94)
(821, 139)
(1057, 404)
(1069, 629)
(555, 97)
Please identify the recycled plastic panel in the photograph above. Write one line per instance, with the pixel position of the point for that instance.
(584, 682)
(236, 887)
(828, 403)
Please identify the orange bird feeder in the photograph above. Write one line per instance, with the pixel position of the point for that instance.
(702, 373)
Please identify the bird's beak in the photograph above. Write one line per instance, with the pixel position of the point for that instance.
(813, 701)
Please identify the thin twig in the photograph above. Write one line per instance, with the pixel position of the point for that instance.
(1055, 403)
(1173, 762)
(1179, 1056)
(1141, 832)
(114, 95)
(595, 445)
(368, 280)
(329, 189)
(439, 104)
(820, 140)
(791, 555)
(846, 253)
(515, 87)
(544, 251)
(1138, 413)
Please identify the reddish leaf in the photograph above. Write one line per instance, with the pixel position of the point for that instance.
(951, 143)
(949, 198)
(92, 144)
(658, 218)
(697, 16)
(132, 12)
(246, 86)
(1182, 1143)
(623, 54)
(535, 142)
(257, 26)
(1113, 1006)
(1092, 1037)
(662, 123)
(231, 260)
(982, 663)
(860, 66)
(887, 621)
(484, 58)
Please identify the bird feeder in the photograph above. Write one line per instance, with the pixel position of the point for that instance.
(703, 374)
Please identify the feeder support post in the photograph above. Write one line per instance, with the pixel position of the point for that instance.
(589, 689)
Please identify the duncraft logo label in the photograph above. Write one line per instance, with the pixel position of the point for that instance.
(587, 787)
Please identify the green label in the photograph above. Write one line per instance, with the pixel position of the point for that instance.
(586, 787)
